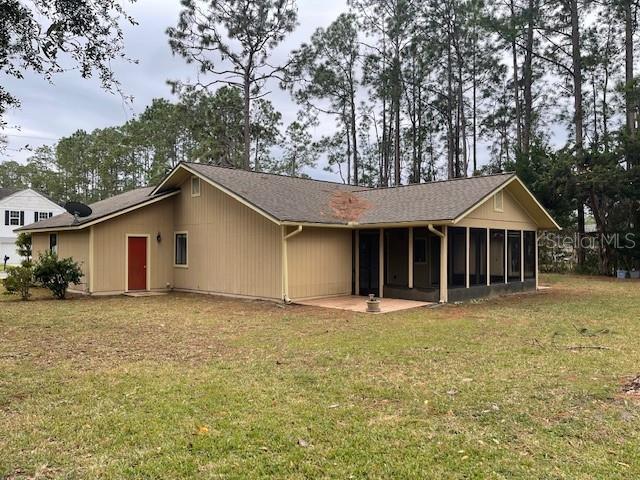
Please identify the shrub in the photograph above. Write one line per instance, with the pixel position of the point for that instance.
(23, 246)
(19, 281)
(56, 274)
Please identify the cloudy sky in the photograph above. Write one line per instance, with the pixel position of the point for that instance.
(50, 111)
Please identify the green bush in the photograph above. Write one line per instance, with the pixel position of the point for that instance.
(23, 246)
(56, 274)
(19, 281)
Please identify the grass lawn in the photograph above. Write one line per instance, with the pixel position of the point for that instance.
(188, 386)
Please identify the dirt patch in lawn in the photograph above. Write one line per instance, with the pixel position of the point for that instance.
(632, 387)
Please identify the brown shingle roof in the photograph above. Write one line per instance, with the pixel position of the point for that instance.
(310, 201)
(99, 209)
(292, 199)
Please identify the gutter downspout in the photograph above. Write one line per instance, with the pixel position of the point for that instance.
(285, 262)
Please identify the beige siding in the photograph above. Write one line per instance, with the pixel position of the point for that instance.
(39, 243)
(76, 246)
(231, 248)
(319, 263)
(512, 217)
(110, 244)
(71, 244)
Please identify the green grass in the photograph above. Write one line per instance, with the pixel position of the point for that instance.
(187, 386)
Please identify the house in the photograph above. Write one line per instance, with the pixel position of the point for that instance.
(20, 207)
(218, 230)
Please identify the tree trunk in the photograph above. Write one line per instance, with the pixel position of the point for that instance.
(354, 134)
(516, 82)
(628, 70)
(247, 121)
(578, 117)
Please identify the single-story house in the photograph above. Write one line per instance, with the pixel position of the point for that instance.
(232, 232)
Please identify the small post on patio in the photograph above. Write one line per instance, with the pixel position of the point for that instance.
(410, 255)
(506, 255)
(488, 256)
(467, 243)
(381, 265)
(444, 294)
(357, 263)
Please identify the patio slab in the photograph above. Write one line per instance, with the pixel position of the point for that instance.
(355, 303)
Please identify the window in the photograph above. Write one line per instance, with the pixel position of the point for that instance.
(14, 218)
(180, 259)
(53, 243)
(498, 201)
(37, 216)
(195, 186)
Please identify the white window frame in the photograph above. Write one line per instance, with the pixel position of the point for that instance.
(16, 218)
(195, 179)
(175, 252)
(43, 215)
(498, 201)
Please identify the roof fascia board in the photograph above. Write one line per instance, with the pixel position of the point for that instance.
(231, 193)
(98, 220)
(544, 210)
(364, 226)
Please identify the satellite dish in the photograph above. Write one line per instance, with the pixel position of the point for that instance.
(77, 209)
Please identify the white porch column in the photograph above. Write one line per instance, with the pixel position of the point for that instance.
(444, 294)
(410, 257)
(357, 263)
(522, 256)
(381, 267)
(537, 272)
(506, 256)
(488, 256)
(467, 242)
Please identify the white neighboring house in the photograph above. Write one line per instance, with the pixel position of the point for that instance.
(17, 208)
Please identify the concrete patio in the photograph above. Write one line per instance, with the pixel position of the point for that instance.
(356, 303)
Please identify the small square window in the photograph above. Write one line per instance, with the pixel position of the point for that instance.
(195, 186)
(44, 215)
(180, 254)
(498, 201)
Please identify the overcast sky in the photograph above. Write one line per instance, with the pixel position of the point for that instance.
(50, 111)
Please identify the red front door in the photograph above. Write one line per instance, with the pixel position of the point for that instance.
(137, 263)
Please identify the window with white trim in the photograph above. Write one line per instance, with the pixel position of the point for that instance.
(498, 201)
(180, 242)
(44, 215)
(14, 217)
(195, 186)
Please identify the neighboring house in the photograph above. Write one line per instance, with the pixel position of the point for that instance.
(224, 231)
(17, 208)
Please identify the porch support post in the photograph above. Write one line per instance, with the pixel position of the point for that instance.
(467, 280)
(444, 294)
(381, 266)
(522, 256)
(537, 272)
(410, 250)
(357, 263)
(488, 256)
(506, 256)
